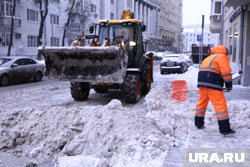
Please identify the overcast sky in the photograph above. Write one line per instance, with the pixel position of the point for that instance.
(193, 11)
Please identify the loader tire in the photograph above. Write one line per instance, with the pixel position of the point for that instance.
(132, 88)
(146, 79)
(79, 90)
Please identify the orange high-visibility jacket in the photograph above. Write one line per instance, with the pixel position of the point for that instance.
(214, 71)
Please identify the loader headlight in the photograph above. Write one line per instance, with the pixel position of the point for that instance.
(132, 43)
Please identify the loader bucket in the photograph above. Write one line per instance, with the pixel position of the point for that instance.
(86, 64)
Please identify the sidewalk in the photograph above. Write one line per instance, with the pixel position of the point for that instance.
(238, 93)
(209, 137)
(10, 160)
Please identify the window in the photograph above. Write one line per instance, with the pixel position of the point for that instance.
(93, 8)
(32, 41)
(54, 41)
(129, 3)
(24, 61)
(8, 8)
(6, 39)
(54, 19)
(32, 15)
(112, 16)
(19, 62)
(217, 8)
(28, 61)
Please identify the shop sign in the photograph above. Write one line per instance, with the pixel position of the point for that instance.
(235, 14)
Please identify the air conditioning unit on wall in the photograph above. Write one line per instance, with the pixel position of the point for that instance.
(216, 17)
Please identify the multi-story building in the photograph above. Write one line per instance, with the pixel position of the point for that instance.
(234, 27)
(27, 22)
(26, 27)
(191, 33)
(170, 25)
(163, 31)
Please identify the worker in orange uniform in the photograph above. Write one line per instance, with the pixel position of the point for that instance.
(214, 71)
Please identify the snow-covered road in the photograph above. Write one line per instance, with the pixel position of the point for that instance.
(42, 121)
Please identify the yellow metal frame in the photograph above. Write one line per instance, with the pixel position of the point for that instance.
(121, 21)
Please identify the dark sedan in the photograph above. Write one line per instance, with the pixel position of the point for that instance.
(18, 69)
(173, 63)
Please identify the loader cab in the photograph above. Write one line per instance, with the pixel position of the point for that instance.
(127, 32)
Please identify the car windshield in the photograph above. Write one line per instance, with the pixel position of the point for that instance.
(4, 61)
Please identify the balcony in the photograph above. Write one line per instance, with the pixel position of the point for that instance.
(215, 23)
(236, 3)
(6, 7)
(6, 21)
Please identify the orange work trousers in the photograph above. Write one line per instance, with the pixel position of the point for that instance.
(217, 99)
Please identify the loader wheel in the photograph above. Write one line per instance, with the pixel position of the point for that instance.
(147, 79)
(132, 88)
(79, 90)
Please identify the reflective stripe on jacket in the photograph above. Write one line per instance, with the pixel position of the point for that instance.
(214, 71)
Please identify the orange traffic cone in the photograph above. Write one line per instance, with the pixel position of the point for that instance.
(179, 90)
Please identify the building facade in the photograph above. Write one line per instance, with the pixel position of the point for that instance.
(26, 27)
(235, 34)
(27, 22)
(170, 25)
(191, 33)
(163, 29)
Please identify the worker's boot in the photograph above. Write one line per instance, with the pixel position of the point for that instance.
(199, 122)
(224, 127)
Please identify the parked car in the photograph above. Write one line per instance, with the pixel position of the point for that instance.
(188, 57)
(160, 55)
(18, 69)
(173, 63)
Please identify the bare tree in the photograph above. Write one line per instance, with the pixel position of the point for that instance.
(73, 11)
(12, 28)
(44, 8)
(70, 13)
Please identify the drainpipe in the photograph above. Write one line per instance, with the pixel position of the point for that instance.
(241, 39)
(222, 23)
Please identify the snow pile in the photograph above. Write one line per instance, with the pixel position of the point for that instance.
(106, 135)
(79, 134)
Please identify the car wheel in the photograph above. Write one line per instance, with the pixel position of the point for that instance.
(4, 80)
(182, 70)
(38, 76)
